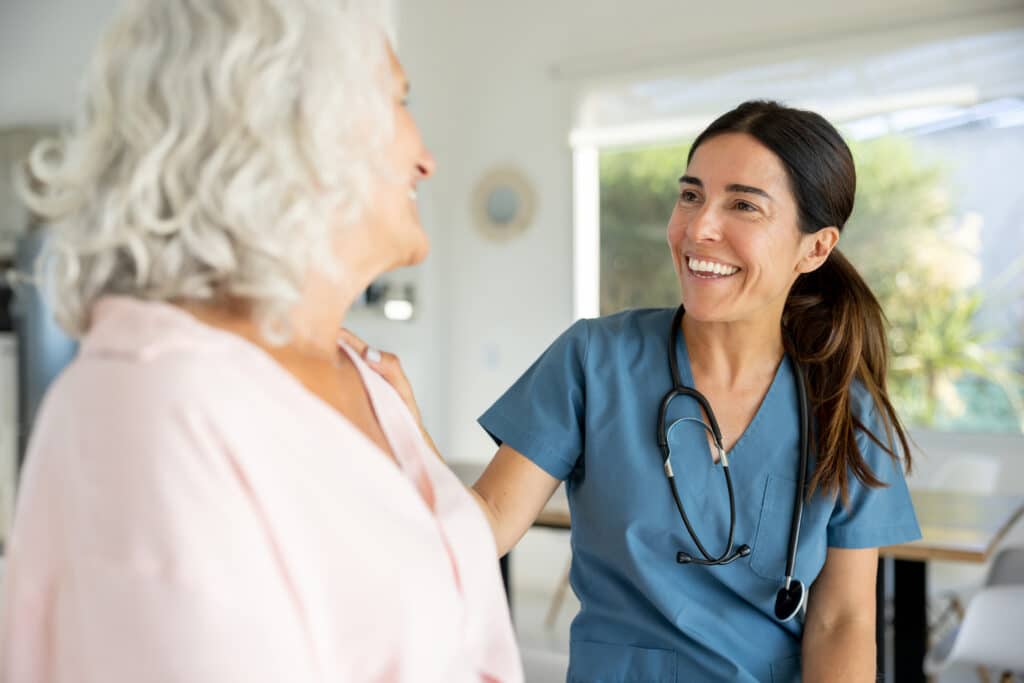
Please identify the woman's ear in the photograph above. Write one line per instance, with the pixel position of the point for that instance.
(817, 246)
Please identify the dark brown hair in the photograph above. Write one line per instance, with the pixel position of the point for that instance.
(834, 322)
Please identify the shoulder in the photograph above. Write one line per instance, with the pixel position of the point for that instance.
(155, 385)
(154, 357)
(173, 401)
(862, 403)
(158, 437)
(874, 432)
(868, 415)
(141, 427)
(627, 328)
(634, 321)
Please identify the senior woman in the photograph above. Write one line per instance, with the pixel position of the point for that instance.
(215, 490)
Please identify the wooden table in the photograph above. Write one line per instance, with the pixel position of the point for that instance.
(955, 526)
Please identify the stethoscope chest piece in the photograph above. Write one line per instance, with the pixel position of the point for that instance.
(790, 600)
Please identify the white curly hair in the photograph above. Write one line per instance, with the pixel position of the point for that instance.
(220, 147)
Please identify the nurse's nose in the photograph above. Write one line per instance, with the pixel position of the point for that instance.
(705, 225)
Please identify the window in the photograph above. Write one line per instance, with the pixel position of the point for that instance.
(938, 228)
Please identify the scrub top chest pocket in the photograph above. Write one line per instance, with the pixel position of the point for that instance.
(771, 541)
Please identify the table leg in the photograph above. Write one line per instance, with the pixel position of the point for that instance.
(882, 644)
(910, 625)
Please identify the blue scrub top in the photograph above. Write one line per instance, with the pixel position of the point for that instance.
(586, 412)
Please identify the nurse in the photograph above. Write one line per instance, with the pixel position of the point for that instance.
(769, 307)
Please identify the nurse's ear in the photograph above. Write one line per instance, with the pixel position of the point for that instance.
(816, 247)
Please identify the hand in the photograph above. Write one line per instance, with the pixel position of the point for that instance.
(387, 366)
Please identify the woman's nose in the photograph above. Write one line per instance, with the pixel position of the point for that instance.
(704, 226)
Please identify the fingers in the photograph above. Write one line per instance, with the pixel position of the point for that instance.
(352, 340)
(385, 363)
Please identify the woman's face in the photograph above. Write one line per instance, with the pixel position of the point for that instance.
(734, 233)
(392, 216)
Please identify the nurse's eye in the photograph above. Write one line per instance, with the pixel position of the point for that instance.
(688, 197)
(746, 206)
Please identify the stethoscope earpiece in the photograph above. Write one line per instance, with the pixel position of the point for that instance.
(790, 601)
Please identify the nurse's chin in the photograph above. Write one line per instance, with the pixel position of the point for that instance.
(707, 312)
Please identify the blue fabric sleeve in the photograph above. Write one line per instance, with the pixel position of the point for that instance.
(874, 517)
(542, 414)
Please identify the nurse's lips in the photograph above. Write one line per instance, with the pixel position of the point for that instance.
(710, 269)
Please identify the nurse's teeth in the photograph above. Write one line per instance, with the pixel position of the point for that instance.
(709, 267)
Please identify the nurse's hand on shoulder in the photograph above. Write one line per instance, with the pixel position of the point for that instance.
(388, 366)
(512, 490)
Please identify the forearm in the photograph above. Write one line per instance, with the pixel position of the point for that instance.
(430, 442)
(492, 519)
(842, 652)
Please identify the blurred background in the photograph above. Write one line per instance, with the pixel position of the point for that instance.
(560, 129)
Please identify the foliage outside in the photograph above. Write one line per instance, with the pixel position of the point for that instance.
(904, 237)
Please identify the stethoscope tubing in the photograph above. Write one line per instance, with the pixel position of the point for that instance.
(678, 389)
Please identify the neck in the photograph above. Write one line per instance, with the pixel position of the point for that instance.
(732, 353)
(314, 322)
(321, 313)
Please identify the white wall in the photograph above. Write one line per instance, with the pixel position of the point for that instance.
(495, 82)
(43, 47)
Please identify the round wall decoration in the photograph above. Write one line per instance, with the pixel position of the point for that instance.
(503, 204)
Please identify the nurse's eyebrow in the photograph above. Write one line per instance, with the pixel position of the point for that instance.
(733, 187)
(747, 189)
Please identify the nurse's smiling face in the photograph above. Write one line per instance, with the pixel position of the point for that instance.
(734, 233)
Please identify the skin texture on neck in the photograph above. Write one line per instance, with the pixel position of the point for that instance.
(730, 354)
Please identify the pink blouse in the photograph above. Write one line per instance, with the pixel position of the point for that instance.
(190, 513)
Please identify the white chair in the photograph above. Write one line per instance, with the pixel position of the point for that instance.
(1007, 568)
(952, 583)
(989, 636)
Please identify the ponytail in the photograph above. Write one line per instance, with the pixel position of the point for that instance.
(838, 329)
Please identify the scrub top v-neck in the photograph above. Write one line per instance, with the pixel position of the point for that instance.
(586, 412)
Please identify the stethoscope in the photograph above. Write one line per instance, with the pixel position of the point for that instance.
(792, 595)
